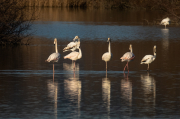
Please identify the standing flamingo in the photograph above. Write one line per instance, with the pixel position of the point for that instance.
(128, 56)
(147, 59)
(165, 22)
(54, 57)
(108, 55)
(72, 45)
(74, 55)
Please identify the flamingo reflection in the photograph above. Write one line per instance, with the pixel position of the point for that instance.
(53, 94)
(165, 35)
(149, 86)
(165, 45)
(126, 90)
(72, 86)
(149, 91)
(106, 93)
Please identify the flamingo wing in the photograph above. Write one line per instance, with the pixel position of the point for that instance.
(53, 57)
(69, 46)
(147, 58)
(106, 56)
(72, 55)
(127, 56)
(165, 21)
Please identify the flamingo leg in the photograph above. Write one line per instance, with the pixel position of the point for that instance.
(53, 67)
(127, 67)
(148, 67)
(53, 77)
(74, 65)
(106, 66)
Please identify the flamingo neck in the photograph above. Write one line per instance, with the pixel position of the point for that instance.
(131, 50)
(109, 48)
(56, 47)
(80, 53)
(155, 54)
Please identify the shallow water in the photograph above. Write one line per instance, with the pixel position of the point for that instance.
(29, 89)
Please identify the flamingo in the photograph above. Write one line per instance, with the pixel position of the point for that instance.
(128, 56)
(74, 55)
(108, 55)
(54, 57)
(72, 45)
(165, 22)
(147, 59)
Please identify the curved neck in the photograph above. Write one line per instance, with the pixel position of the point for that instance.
(56, 50)
(109, 48)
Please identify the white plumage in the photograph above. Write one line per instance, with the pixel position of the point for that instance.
(128, 56)
(74, 55)
(72, 45)
(165, 22)
(54, 57)
(147, 59)
(108, 55)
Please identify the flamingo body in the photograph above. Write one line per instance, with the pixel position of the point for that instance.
(165, 22)
(74, 56)
(128, 56)
(54, 57)
(72, 45)
(108, 55)
(147, 59)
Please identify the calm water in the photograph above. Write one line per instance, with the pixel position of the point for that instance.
(29, 89)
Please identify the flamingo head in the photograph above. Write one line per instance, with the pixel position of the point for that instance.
(55, 41)
(76, 37)
(154, 49)
(109, 40)
(130, 47)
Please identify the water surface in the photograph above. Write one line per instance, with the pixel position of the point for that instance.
(29, 89)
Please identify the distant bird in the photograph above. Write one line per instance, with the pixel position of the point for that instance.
(72, 45)
(74, 55)
(165, 22)
(128, 56)
(147, 59)
(54, 57)
(108, 55)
